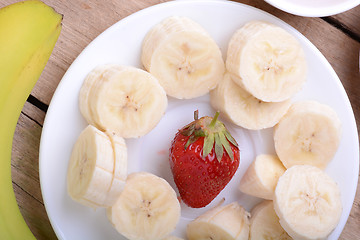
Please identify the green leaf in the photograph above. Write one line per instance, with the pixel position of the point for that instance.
(208, 144)
(219, 149)
(226, 145)
(230, 138)
(191, 140)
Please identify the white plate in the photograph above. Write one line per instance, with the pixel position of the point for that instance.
(121, 44)
(314, 8)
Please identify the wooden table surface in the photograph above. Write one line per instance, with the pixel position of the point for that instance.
(337, 37)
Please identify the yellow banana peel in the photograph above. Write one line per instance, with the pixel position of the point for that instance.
(28, 33)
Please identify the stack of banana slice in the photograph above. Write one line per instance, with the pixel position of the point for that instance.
(183, 57)
(97, 168)
(269, 61)
(265, 66)
(123, 100)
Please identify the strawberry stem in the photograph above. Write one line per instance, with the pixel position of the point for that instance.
(212, 123)
(196, 114)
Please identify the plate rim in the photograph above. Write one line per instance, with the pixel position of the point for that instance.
(305, 11)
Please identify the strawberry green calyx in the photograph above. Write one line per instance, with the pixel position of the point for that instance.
(214, 133)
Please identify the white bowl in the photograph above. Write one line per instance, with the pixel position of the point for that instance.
(314, 8)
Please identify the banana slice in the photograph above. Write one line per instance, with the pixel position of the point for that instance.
(269, 61)
(261, 177)
(147, 208)
(120, 169)
(309, 133)
(183, 57)
(122, 100)
(229, 222)
(242, 108)
(95, 175)
(86, 88)
(264, 223)
(307, 202)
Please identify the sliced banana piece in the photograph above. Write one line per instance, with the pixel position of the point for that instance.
(261, 177)
(242, 108)
(86, 89)
(95, 175)
(120, 168)
(309, 133)
(147, 209)
(307, 202)
(264, 223)
(269, 61)
(123, 100)
(183, 57)
(229, 222)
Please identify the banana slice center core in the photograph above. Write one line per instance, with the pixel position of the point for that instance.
(185, 67)
(272, 66)
(130, 104)
(312, 202)
(306, 143)
(146, 208)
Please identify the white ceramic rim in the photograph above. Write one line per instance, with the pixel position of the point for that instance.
(307, 11)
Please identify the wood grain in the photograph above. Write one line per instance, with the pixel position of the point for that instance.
(85, 20)
(350, 20)
(25, 172)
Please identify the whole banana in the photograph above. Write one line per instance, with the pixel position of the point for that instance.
(28, 33)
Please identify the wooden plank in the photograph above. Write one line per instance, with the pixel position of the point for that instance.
(351, 229)
(34, 113)
(350, 20)
(25, 155)
(34, 215)
(25, 173)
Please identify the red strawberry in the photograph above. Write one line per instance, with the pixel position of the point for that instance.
(200, 166)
